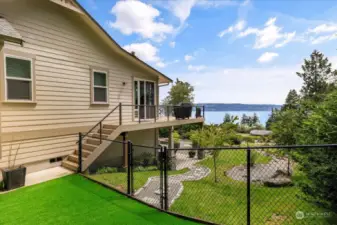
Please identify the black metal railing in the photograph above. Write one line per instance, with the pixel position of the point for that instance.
(154, 113)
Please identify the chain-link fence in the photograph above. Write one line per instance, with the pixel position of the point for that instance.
(253, 185)
(229, 185)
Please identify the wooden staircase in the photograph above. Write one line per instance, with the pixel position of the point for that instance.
(89, 144)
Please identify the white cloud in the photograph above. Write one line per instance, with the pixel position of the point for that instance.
(182, 9)
(188, 58)
(172, 44)
(148, 53)
(196, 68)
(163, 64)
(134, 16)
(321, 39)
(269, 35)
(267, 57)
(240, 25)
(288, 38)
(324, 28)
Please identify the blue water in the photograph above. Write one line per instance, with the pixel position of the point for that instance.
(216, 117)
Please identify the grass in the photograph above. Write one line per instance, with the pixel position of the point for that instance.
(224, 202)
(119, 180)
(75, 200)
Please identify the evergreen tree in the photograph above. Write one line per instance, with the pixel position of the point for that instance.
(292, 100)
(317, 75)
(255, 119)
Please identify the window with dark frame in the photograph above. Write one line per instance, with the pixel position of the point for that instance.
(19, 79)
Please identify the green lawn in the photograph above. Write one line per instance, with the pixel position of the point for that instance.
(119, 180)
(75, 200)
(225, 201)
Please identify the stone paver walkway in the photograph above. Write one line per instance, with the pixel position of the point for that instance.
(150, 192)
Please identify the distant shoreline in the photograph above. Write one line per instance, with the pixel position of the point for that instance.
(223, 107)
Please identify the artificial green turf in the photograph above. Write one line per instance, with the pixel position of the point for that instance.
(75, 200)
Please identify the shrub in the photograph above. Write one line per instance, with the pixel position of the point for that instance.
(145, 159)
(234, 139)
(107, 169)
(176, 137)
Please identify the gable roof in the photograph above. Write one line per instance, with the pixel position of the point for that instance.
(91, 22)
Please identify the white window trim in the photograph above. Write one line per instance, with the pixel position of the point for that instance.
(93, 86)
(17, 78)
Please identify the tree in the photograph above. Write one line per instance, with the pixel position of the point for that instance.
(271, 118)
(255, 119)
(317, 76)
(245, 120)
(180, 92)
(230, 118)
(320, 165)
(292, 100)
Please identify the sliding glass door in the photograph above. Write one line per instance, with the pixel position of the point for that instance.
(144, 99)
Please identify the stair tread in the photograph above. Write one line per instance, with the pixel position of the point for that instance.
(76, 156)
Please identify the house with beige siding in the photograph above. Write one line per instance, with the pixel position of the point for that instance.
(62, 74)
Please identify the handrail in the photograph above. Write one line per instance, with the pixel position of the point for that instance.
(100, 122)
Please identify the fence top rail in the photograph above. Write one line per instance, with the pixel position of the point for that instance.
(125, 142)
(258, 147)
(193, 105)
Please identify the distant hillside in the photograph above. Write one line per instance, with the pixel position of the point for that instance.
(238, 107)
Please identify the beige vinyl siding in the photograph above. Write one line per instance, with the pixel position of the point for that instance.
(65, 50)
(36, 150)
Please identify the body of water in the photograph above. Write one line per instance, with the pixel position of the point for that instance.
(216, 117)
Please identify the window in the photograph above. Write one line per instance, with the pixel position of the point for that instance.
(100, 87)
(18, 78)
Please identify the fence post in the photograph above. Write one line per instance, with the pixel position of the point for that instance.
(120, 113)
(248, 184)
(165, 180)
(161, 160)
(129, 168)
(80, 152)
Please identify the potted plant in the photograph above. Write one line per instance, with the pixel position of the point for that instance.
(176, 140)
(191, 153)
(13, 176)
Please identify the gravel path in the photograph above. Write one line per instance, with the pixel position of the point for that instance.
(150, 192)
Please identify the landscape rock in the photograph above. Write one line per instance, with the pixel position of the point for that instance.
(278, 182)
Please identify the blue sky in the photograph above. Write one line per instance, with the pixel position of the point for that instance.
(231, 51)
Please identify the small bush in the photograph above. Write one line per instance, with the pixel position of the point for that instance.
(107, 169)
(145, 159)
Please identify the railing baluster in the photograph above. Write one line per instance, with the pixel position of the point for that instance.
(100, 132)
(80, 152)
(155, 113)
(168, 113)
